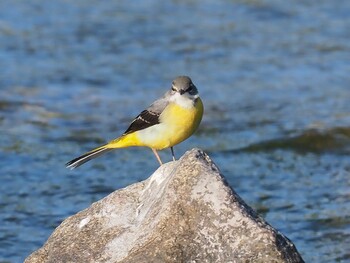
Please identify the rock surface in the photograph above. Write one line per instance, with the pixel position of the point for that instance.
(185, 212)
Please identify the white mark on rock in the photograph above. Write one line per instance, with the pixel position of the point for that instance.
(84, 222)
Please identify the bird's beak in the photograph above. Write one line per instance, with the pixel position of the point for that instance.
(182, 91)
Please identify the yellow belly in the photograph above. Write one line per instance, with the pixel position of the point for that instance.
(176, 125)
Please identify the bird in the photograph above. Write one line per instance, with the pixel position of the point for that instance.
(166, 122)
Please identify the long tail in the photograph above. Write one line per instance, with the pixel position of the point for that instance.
(87, 157)
(121, 142)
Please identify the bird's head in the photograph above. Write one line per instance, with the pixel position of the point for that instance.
(183, 86)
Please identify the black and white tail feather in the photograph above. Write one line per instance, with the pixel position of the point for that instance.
(87, 157)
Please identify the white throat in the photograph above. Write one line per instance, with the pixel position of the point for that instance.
(184, 100)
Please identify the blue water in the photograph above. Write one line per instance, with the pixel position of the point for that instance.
(273, 75)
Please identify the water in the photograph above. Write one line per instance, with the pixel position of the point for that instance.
(274, 78)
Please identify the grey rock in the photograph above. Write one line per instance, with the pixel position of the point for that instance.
(185, 212)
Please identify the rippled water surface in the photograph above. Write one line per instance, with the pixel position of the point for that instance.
(274, 77)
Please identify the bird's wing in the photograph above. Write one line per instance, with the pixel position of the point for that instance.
(148, 117)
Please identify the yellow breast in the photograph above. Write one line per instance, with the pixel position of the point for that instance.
(177, 123)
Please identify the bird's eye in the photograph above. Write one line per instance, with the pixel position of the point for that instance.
(172, 88)
(190, 88)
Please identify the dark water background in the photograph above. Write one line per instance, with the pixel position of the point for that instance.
(274, 77)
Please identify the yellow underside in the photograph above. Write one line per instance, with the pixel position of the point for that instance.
(176, 125)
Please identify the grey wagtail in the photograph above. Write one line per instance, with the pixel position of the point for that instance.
(167, 122)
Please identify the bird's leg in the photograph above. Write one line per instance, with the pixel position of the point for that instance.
(172, 152)
(157, 155)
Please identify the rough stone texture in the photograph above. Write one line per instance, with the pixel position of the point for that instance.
(185, 212)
